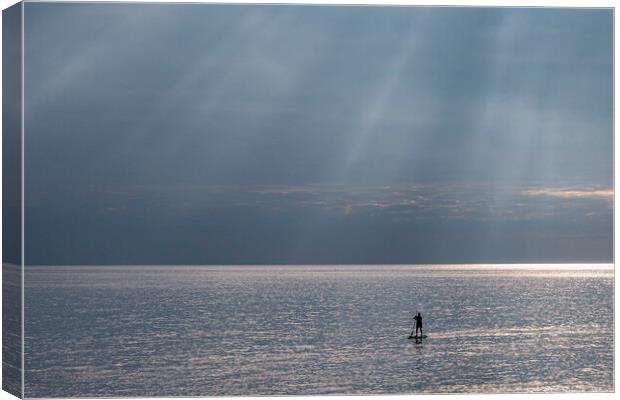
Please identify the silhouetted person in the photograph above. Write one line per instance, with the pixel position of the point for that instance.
(418, 324)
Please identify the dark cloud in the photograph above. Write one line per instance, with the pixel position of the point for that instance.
(322, 224)
(224, 133)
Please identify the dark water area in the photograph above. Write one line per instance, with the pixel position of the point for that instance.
(285, 330)
(12, 329)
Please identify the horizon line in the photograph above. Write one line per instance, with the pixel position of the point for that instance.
(512, 264)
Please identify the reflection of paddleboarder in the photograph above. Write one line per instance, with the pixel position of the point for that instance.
(418, 324)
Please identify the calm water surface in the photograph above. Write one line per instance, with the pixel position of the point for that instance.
(172, 331)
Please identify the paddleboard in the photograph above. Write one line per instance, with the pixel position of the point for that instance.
(417, 337)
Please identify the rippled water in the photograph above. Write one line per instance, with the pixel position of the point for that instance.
(171, 331)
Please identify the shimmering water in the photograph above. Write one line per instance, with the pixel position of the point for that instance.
(171, 331)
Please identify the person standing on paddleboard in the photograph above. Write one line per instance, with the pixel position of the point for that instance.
(418, 324)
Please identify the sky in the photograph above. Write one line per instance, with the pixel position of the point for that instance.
(11, 137)
(229, 134)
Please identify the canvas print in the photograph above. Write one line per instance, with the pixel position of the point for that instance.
(240, 200)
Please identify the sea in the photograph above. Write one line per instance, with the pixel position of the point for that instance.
(306, 329)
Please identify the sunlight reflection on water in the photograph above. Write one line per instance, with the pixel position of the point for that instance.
(232, 330)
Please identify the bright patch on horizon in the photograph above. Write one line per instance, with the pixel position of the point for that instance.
(571, 193)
